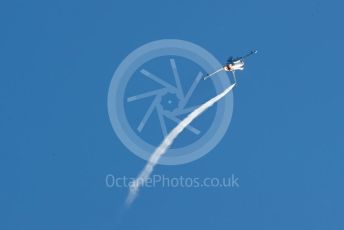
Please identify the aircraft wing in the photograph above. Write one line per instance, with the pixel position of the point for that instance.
(230, 60)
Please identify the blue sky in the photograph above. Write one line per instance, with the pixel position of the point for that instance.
(285, 140)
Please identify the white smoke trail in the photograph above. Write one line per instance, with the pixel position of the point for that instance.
(153, 160)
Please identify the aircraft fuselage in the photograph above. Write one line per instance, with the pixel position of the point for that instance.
(237, 65)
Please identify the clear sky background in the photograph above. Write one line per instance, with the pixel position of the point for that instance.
(285, 141)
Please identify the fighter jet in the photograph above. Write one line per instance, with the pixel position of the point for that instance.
(233, 64)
